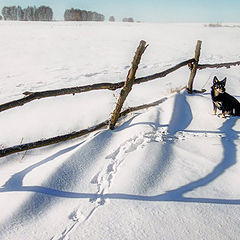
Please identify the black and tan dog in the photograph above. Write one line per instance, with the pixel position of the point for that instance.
(222, 100)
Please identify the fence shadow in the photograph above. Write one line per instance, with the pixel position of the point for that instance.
(181, 108)
(39, 202)
(177, 195)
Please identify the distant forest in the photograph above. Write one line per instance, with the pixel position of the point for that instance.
(44, 13)
(82, 15)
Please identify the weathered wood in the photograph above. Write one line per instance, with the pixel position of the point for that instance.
(218, 65)
(144, 106)
(194, 66)
(31, 96)
(50, 141)
(163, 73)
(128, 84)
(199, 91)
(46, 142)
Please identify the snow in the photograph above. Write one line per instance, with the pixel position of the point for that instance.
(167, 172)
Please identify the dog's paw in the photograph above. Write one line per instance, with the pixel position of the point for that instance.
(220, 115)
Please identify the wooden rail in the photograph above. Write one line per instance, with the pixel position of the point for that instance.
(218, 65)
(45, 142)
(31, 96)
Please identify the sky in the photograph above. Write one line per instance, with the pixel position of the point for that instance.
(209, 11)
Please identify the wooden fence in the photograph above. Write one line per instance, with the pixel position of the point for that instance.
(126, 86)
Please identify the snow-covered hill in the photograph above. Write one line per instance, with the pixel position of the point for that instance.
(167, 172)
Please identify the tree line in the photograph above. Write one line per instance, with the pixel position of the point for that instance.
(82, 15)
(42, 13)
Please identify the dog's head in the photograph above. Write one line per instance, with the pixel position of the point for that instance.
(219, 86)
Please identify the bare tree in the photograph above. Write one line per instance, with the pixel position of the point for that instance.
(82, 15)
(95, 16)
(89, 16)
(9, 13)
(44, 13)
(68, 15)
(28, 14)
(130, 19)
(112, 19)
(20, 13)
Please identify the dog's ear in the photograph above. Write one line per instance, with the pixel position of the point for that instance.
(215, 80)
(224, 81)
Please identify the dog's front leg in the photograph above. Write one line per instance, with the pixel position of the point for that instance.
(224, 112)
(223, 115)
(214, 109)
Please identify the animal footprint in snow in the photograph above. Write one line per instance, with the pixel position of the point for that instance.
(77, 216)
(132, 146)
(104, 178)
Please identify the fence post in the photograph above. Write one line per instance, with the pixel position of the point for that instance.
(128, 83)
(194, 66)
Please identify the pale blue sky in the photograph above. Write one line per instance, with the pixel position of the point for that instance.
(146, 10)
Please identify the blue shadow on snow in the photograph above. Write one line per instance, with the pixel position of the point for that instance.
(181, 118)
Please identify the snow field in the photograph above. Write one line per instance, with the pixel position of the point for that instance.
(168, 172)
